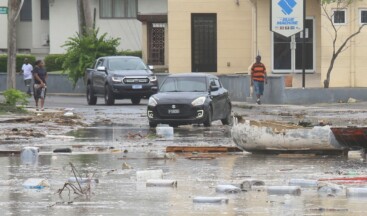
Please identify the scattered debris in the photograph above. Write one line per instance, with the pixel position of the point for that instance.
(149, 174)
(29, 155)
(227, 189)
(77, 188)
(356, 192)
(321, 209)
(126, 166)
(303, 182)
(9, 182)
(62, 150)
(352, 100)
(165, 131)
(329, 189)
(201, 199)
(36, 183)
(201, 157)
(283, 190)
(202, 149)
(161, 183)
(82, 180)
(134, 136)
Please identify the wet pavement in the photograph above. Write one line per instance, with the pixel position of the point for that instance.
(118, 138)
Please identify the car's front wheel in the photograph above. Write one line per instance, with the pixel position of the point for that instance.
(135, 101)
(109, 99)
(91, 99)
(208, 120)
(228, 119)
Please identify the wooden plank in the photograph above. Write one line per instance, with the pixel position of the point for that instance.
(202, 149)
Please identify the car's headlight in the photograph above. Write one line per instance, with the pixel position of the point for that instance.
(153, 78)
(198, 101)
(117, 79)
(152, 102)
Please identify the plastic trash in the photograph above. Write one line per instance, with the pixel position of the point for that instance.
(283, 190)
(227, 189)
(245, 185)
(62, 150)
(303, 182)
(201, 199)
(69, 114)
(36, 183)
(149, 174)
(9, 182)
(29, 155)
(82, 180)
(356, 192)
(328, 188)
(161, 183)
(164, 131)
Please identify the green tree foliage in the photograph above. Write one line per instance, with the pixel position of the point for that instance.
(83, 50)
(14, 97)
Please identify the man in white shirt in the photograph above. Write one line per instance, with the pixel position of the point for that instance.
(27, 74)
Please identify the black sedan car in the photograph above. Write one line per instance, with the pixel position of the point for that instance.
(194, 98)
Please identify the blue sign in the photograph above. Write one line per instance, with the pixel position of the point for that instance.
(287, 16)
(287, 6)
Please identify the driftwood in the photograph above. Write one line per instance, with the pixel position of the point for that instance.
(76, 187)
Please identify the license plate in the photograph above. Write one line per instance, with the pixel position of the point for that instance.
(137, 86)
(173, 111)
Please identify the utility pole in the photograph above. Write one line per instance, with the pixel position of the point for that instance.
(14, 7)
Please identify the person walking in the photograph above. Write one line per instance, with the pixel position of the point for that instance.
(27, 75)
(258, 78)
(39, 88)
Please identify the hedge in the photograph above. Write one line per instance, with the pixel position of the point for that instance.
(54, 62)
(19, 61)
(137, 53)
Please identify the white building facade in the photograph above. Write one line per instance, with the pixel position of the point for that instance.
(44, 25)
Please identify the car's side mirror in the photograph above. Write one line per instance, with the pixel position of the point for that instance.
(151, 67)
(214, 88)
(101, 68)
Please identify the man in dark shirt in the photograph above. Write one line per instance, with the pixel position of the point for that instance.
(39, 88)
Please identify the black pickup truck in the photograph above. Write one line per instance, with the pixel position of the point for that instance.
(120, 77)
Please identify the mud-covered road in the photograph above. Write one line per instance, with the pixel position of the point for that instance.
(114, 143)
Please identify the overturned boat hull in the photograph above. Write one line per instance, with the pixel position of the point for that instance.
(275, 137)
(351, 137)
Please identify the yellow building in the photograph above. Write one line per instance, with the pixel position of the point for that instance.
(224, 36)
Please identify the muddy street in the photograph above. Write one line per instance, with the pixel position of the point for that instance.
(115, 145)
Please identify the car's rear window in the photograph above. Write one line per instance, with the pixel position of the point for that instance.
(184, 84)
(126, 64)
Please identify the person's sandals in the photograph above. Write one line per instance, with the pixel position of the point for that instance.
(258, 101)
(37, 108)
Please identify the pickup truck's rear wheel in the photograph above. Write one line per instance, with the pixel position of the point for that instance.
(91, 99)
(135, 100)
(109, 99)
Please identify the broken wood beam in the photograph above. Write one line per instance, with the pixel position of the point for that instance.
(202, 149)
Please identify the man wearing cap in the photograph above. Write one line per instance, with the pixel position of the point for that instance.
(258, 78)
(27, 75)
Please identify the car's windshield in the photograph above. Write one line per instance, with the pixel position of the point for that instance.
(184, 84)
(126, 64)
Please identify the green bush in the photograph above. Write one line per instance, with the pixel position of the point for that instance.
(19, 61)
(137, 53)
(54, 62)
(83, 50)
(14, 97)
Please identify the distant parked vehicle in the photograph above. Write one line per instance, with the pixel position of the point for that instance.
(194, 98)
(120, 77)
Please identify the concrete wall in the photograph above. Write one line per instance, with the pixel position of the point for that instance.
(237, 85)
(233, 33)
